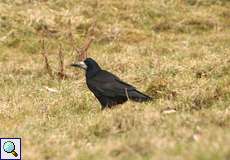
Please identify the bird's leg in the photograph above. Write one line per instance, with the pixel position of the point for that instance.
(103, 107)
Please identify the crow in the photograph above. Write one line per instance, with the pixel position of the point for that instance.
(108, 88)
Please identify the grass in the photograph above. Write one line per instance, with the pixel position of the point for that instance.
(177, 51)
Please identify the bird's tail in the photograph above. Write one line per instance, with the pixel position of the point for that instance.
(137, 96)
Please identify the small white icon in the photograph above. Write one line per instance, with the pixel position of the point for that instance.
(10, 149)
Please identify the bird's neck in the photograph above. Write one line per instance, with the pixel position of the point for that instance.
(92, 73)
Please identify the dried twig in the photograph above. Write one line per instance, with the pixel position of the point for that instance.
(61, 73)
(82, 52)
(53, 73)
(44, 54)
(91, 30)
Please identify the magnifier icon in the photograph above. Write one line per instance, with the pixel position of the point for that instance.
(9, 147)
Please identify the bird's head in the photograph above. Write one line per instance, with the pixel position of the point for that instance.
(89, 65)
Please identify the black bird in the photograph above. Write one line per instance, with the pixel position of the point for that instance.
(108, 88)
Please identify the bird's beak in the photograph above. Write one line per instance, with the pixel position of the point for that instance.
(80, 65)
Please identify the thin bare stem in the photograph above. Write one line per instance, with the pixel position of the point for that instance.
(44, 54)
(82, 51)
(61, 63)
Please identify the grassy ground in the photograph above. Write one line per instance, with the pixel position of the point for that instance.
(177, 51)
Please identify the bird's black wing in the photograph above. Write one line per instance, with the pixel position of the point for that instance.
(110, 90)
(108, 84)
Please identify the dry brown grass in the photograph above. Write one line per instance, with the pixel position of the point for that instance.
(177, 51)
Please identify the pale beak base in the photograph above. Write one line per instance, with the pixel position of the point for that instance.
(80, 65)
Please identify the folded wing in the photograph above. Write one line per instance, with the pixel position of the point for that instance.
(110, 90)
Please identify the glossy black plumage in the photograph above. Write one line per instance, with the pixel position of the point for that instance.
(107, 87)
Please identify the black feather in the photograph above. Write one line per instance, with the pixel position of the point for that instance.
(108, 88)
